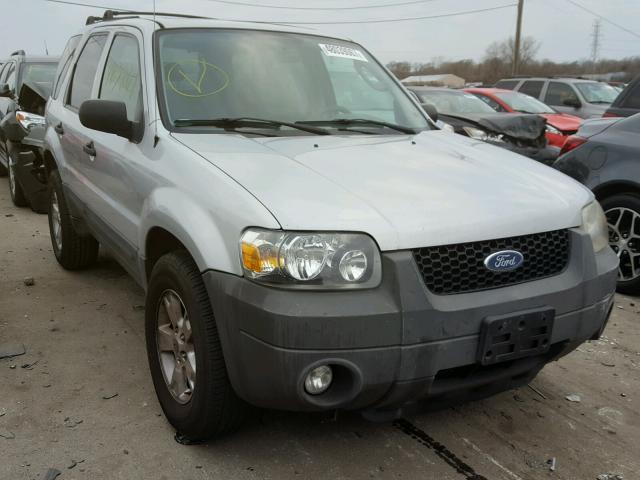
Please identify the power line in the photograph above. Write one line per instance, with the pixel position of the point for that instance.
(582, 7)
(389, 20)
(78, 4)
(405, 19)
(282, 7)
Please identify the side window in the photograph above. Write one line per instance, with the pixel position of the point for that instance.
(65, 63)
(532, 88)
(492, 103)
(507, 84)
(85, 71)
(121, 79)
(3, 70)
(632, 100)
(558, 92)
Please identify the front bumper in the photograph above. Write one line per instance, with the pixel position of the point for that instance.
(397, 343)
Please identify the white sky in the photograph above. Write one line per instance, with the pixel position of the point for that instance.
(564, 30)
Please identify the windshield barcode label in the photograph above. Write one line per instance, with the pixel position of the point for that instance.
(342, 52)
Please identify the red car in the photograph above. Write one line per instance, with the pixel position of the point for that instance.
(559, 125)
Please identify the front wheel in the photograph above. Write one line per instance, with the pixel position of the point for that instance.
(185, 357)
(623, 218)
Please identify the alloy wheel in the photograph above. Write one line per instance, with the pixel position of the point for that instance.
(174, 343)
(624, 238)
(56, 221)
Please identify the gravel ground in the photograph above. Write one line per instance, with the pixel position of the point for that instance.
(81, 400)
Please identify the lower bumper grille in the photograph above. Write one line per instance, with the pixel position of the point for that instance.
(460, 268)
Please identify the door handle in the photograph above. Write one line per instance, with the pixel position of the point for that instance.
(59, 129)
(90, 150)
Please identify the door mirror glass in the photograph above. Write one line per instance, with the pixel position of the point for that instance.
(106, 116)
(5, 91)
(431, 110)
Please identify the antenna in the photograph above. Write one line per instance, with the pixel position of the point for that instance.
(46, 49)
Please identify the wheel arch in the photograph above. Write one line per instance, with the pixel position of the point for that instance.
(607, 189)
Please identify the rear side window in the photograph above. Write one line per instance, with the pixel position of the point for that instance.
(65, 63)
(11, 77)
(507, 84)
(632, 99)
(558, 92)
(532, 88)
(121, 79)
(85, 71)
(3, 70)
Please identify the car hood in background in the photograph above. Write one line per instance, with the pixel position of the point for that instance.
(518, 126)
(434, 188)
(562, 121)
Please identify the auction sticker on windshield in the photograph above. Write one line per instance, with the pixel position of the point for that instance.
(342, 52)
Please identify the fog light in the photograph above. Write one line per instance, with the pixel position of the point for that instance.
(318, 380)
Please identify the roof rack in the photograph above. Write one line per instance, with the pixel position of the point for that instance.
(18, 52)
(112, 14)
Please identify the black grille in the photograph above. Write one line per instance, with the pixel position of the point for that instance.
(460, 268)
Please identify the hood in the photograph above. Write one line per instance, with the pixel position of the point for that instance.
(563, 122)
(434, 188)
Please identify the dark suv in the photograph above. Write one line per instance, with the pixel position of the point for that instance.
(627, 103)
(25, 86)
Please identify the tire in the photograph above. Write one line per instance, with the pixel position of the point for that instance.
(73, 251)
(15, 189)
(3, 170)
(630, 205)
(209, 407)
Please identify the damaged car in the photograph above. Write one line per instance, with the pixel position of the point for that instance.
(467, 115)
(25, 86)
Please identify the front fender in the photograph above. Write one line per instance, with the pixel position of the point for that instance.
(211, 240)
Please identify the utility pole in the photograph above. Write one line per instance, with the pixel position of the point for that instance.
(516, 49)
(595, 43)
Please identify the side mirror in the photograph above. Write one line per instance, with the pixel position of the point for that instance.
(431, 110)
(5, 91)
(572, 102)
(106, 116)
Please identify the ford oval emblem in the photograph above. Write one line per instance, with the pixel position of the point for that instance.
(504, 261)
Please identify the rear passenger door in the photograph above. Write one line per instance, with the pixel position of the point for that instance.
(557, 93)
(74, 138)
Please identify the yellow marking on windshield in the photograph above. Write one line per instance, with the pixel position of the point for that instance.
(199, 87)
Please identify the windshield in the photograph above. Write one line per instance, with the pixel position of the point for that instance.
(596, 92)
(41, 74)
(523, 103)
(209, 74)
(454, 102)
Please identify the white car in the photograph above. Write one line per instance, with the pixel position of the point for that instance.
(308, 239)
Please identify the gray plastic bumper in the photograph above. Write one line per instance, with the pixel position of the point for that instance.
(397, 343)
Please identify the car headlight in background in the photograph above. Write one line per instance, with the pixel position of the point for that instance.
(481, 135)
(310, 260)
(594, 223)
(28, 120)
(552, 129)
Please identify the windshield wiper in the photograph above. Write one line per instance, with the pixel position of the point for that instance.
(246, 122)
(358, 121)
(600, 101)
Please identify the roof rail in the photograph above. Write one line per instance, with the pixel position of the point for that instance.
(112, 14)
(18, 52)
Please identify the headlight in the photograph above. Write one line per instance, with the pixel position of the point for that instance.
(481, 135)
(552, 129)
(28, 120)
(594, 223)
(310, 260)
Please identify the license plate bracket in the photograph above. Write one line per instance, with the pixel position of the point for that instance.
(515, 335)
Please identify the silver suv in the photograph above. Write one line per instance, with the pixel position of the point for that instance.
(575, 96)
(308, 240)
